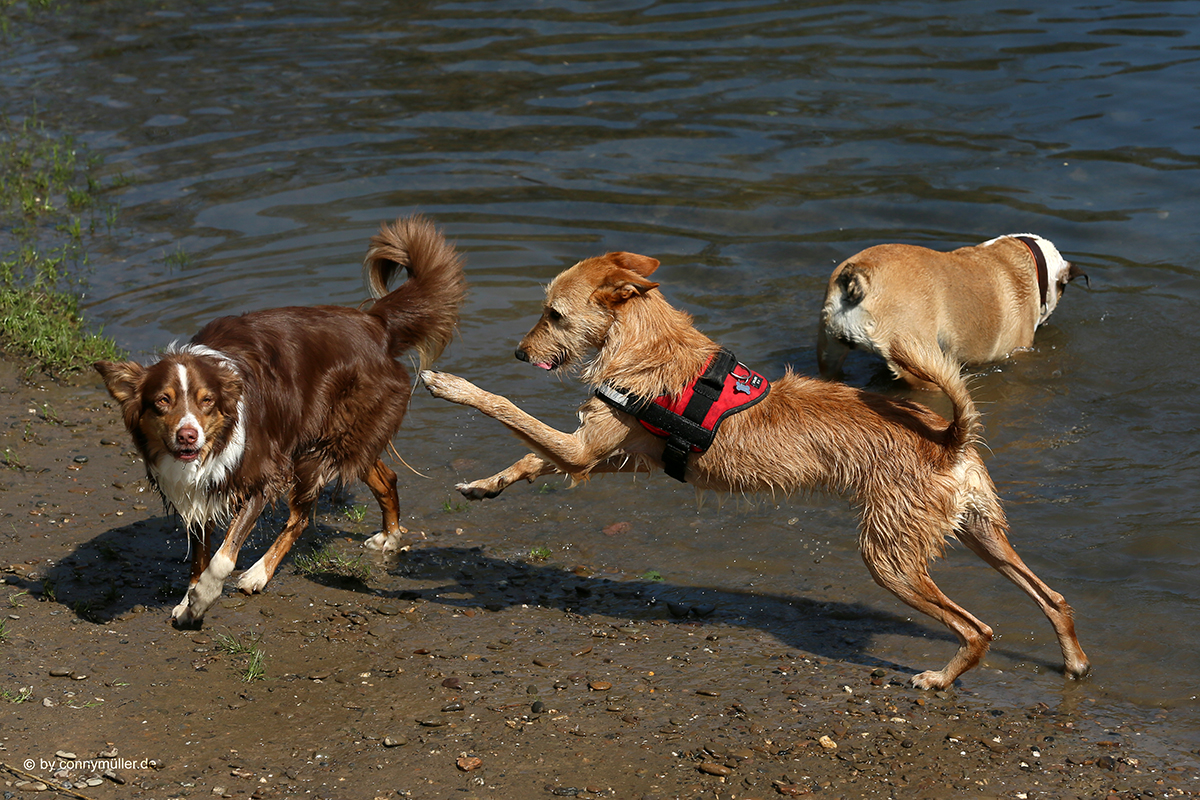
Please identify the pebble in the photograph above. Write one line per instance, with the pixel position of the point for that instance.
(538, 707)
(60, 672)
(599, 686)
(827, 743)
(452, 683)
(455, 706)
(469, 763)
(712, 768)
(65, 755)
(394, 741)
(708, 693)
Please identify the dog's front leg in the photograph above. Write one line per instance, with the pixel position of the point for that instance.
(200, 542)
(528, 468)
(205, 591)
(575, 454)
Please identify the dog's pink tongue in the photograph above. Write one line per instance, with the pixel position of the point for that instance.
(544, 365)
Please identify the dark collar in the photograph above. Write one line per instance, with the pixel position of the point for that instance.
(1043, 279)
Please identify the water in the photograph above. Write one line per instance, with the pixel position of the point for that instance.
(750, 146)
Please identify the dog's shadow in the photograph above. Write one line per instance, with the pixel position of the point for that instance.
(127, 570)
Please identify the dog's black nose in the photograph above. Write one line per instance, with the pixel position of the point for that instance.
(521, 355)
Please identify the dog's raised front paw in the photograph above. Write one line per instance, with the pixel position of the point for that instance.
(447, 386)
(479, 490)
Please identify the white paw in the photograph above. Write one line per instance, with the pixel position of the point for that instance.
(181, 615)
(385, 543)
(254, 579)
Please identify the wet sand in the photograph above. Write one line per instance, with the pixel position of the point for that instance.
(447, 672)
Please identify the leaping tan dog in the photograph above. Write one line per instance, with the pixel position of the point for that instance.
(978, 304)
(917, 478)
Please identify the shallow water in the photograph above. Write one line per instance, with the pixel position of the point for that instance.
(750, 146)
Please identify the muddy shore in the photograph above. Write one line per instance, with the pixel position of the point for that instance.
(444, 672)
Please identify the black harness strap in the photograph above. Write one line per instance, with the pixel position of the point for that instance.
(684, 431)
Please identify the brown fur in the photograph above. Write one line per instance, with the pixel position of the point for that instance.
(279, 403)
(978, 304)
(917, 478)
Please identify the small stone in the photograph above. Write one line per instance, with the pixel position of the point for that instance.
(708, 693)
(60, 672)
(66, 755)
(469, 763)
(538, 707)
(47, 702)
(320, 676)
(712, 768)
(455, 706)
(394, 741)
(452, 683)
(827, 743)
(80, 459)
(599, 686)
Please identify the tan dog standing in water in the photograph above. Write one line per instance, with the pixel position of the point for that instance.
(917, 478)
(978, 304)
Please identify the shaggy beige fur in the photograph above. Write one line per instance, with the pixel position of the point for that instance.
(917, 478)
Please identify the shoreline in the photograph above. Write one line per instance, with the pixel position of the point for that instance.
(445, 672)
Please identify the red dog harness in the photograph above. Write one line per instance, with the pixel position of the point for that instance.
(689, 420)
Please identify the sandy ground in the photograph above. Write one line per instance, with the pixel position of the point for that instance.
(445, 673)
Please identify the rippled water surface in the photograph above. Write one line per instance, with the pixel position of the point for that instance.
(750, 146)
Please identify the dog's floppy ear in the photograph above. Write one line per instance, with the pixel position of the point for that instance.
(620, 286)
(1074, 272)
(231, 392)
(122, 378)
(642, 265)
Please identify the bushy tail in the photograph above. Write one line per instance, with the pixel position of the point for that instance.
(422, 312)
(932, 365)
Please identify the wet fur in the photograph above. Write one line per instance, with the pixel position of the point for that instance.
(917, 477)
(281, 402)
(978, 304)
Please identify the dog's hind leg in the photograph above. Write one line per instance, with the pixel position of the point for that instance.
(206, 590)
(381, 480)
(915, 587)
(986, 538)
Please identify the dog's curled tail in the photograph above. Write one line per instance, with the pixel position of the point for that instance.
(932, 365)
(422, 312)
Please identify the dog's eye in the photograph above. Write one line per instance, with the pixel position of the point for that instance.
(552, 315)
(207, 401)
(163, 401)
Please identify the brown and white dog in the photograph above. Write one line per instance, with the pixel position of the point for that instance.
(978, 304)
(280, 402)
(917, 478)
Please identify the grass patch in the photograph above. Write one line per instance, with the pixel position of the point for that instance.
(20, 696)
(540, 553)
(50, 200)
(328, 561)
(250, 651)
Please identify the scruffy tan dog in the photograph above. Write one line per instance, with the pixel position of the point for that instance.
(978, 304)
(917, 478)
